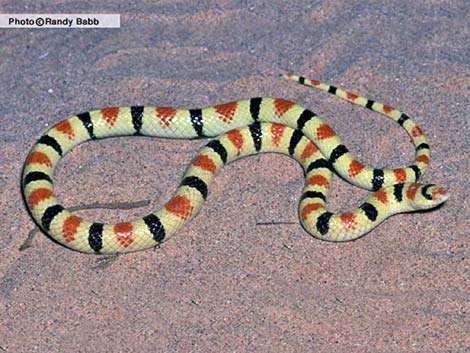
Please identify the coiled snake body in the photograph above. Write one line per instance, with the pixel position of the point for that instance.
(248, 127)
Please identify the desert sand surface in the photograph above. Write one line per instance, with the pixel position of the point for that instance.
(243, 276)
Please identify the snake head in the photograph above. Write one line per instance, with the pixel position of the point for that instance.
(426, 196)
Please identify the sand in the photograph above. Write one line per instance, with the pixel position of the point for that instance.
(226, 283)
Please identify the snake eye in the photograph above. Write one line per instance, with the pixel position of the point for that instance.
(434, 193)
(439, 195)
(425, 191)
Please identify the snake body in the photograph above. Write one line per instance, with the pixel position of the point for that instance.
(244, 127)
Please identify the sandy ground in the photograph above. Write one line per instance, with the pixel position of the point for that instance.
(226, 283)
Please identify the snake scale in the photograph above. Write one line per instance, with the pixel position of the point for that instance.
(241, 128)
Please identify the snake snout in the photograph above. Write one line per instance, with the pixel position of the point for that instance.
(439, 195)
(430, 196)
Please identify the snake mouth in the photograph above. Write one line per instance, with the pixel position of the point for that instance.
(434, 193)
(439, 195)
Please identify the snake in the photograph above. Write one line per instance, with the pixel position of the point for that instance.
(239, 129)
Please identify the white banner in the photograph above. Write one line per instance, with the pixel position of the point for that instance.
(60, 21)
